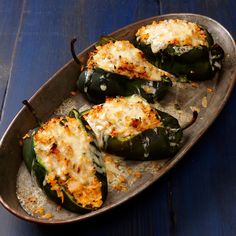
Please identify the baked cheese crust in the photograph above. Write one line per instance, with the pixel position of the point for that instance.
(63, 147)
(177, 32)
(123, 58)
(122, 117)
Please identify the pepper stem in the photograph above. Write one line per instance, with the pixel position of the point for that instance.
(72, 49)
(31, 109)
(194, 118)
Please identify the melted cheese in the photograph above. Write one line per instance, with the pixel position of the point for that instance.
(123, 58)
(63, 147)
(121, 117)
(174, 31)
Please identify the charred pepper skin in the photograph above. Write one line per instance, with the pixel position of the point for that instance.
(99, 84)
(34, 166)
(198, 64)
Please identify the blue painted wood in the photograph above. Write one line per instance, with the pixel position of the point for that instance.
(47, 28)
(42, 48)
(201, 187)
(11, 18)
(204, 183)
(224, 12)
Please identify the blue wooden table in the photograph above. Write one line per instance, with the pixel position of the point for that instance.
(198, 196)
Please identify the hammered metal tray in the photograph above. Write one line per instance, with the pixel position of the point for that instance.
(19, 192)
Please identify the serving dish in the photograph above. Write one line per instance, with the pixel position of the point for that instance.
(54, 98)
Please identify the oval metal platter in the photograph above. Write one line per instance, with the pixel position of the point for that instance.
(19, 192)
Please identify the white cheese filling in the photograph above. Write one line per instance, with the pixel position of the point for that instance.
(174, 31)
(63, 147)
(122, 117)
(123, 58)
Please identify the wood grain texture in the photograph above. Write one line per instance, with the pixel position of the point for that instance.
(205, 181)
(44, 36)
(11, 18)
(225, 13)
(42, 48)
(203, 184)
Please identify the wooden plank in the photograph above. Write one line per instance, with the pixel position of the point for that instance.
(204, 183)
(224, 12)
(11, 17)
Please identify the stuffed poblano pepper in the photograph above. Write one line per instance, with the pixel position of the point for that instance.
(183, 48)
(117, 68)
(67, 164)
(131, 128)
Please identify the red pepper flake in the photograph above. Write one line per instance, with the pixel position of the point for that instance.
(135, 122)
(108, 99)
(54, 149)
(210, 90)
(142, 54)
(194, 85)
(113, 132)
(122, 179)
(99, 107)
(73, 93)
(138, 174)
(118, 187)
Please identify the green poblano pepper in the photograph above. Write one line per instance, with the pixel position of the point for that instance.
(37, 167)
(97, 83)
(195, 63)
(152, 144)
(158, 142)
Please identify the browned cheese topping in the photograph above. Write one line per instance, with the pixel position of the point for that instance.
(177, 32)
(122, 117)
(123, 58)
(62, 146)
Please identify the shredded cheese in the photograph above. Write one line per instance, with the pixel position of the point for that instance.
(122, 117)
(173, 31)
(123, 58)
(62, 146)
